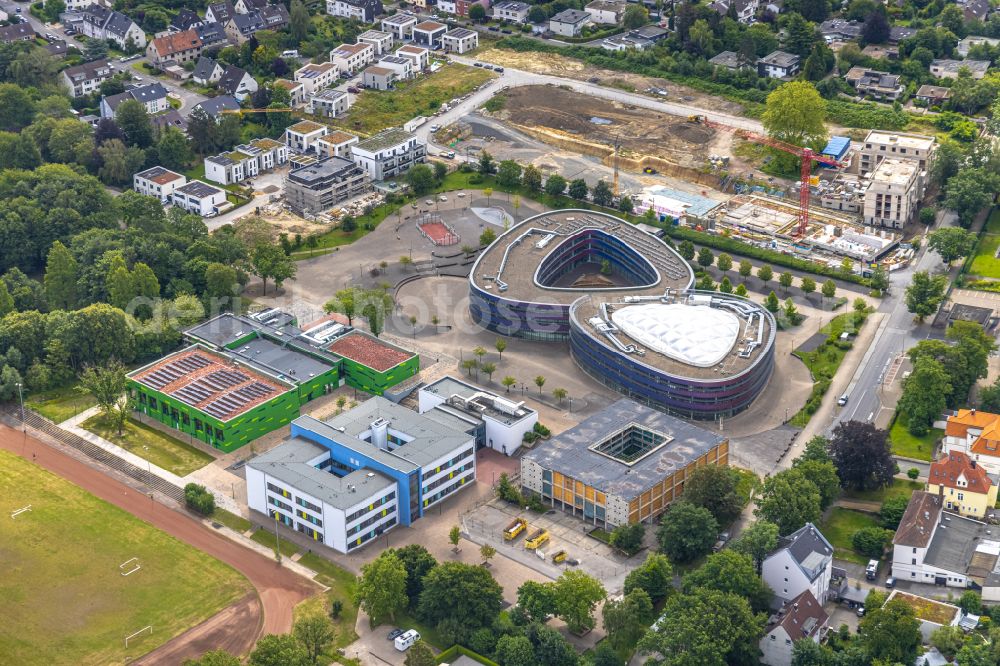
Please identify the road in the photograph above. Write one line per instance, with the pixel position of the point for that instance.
(278, 588)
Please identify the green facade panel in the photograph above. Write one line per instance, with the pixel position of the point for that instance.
(372, 381)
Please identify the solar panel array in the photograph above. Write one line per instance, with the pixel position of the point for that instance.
(205, 387)
(171, 372)
(225, 406)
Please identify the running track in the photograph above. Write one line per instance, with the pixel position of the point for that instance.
(278, 588)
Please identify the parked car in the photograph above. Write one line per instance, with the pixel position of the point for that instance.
(353, 89)
(871, 571)
(498, 68)
(842, 400)
(395, 632)
(477, 64)
(890, 582)
(442, 198)
(861, 611)
(435, 128)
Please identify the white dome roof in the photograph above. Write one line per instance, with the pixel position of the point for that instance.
(698, 335)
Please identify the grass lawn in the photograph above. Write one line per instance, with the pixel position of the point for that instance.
(231, 520)
(839, 526)
(342, 585)
(910, 446)
(748, 481)
(68, 602)
(60, 403)
(899, 488)
(377, 109)
(149, 443)
(427, 633)
(985, 262)
(823, 363)
(266, 537)
(993, 223)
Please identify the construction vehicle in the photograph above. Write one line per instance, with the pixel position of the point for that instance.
(539, 537)
(560, 556)
(805, 154)
(515, 528)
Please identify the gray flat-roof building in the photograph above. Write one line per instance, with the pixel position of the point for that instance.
(320, 186)
(625, 464)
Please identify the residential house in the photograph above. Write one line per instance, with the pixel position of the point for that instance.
(316, 76)
(212, 35)
(184, 20)
(99, 22)
(950, 69)
(215, 106)
(207, 72)
(879, 145)
(970, 42)
(446, 7)
(401, 67)
(329, 103)
(801, 618)
(352, 58)
(802, 562)
(174, 48)
(931, 614)
(652, 33)
(84, 79)
(335, 144)
(880, 85)
(248, 6)
(378, 78)
(418, 55)
(729, 60)
(319, 187)
(220, 12)
(898, 33)
(158, 182)
(57, 48)
(153, 96)
(976, 433)
(937, 547)
(237, 82)
(389, 153)
(365, 11)
(975, 10)
(606, 12)
(245, 161)
(625, 43)
(270, 153)
(778, 65)
(296, 91)
(745, 10)
(963, 485)
(77, 5)
(893, 195)
(17, 32)
(400, 25)
(932, 95)
(840, 30)
(200, 198)
(569, 22)
(301, 136)
(168, 118)
(429, 34)
(241, 27)
(512, 11)
(880, 52)
(460, 40)
(462, 6)
(379, 40)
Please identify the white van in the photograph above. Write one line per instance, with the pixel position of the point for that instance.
(290, 53)
(406, 639)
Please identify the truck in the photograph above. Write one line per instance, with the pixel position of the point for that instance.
(414, 123)
(560, 556)
(539, 537)
(871, 571)
(515, 528)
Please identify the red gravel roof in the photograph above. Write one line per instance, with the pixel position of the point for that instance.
(368, 351)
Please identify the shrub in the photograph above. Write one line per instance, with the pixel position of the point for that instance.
(541, 430)
(871, 541)
(198, 499)
(628, 538)
(913, 473)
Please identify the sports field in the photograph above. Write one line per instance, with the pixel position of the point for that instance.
(64, 596)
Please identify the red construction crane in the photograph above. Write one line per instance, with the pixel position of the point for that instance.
(805, 154)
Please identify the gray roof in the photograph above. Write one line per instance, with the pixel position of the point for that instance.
(512, 6)
(573, 16)
(898, 33)
(17, 31)
(429, 440)
(88, 70)
(331, 94)
(168, 118)
(955, 540)
(119, 24)
(211, 32)
(570, 454)
(231, 77)
(459, 33)
(652, 32)
(204, 68)
(448, 386)
(286, 363)
(196, 188)
(149, 93)
(222, 11)
(289, 462)
(385, 139)
(780, 59)
(399, 18)
(185, 19)
(216, 105)
(809, 548)
(331, 167)
(973, 66)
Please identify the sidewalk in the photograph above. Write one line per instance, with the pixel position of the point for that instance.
(72, 425)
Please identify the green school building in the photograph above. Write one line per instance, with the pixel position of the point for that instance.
(244, 376)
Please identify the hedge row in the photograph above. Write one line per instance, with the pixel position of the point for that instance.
(449, 655)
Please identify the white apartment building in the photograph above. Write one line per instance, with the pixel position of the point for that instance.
(511, 10)
(802, 618)
(977, 434)
(803, 561)
(84, 79)
(352, 58)
(389, 153)
(402, 68)
(893, 195)
(335, 144)
(418, 55)
(380, 41)
(316, 76)
(245, 161)
(329, 103)
(460, 40)
(158, 182)
(200, 198)
(880, 145)
(606, 12)
(301, 136)
(400, 26)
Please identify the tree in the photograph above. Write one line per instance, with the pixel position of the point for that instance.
(509, 174)
(537, 600)
(625, 619)
(173, 149)
(708, 628)
(876, 27)
(948, 640)
(714, 488)
(654, 576)
(133, 119)
(824, 476)
(214, 658)
(578, 189)
(420, 178)
(871, 541)
(808, 285)
(817, 65)
(488, 369)
(758, 541)
(440, 171)
(108, 386)
(560, 394)
(627, 537)
(771, 302)
(539, 382)
(6, 300)
(487, 552)
(829, 289)
(16, 107)
(417, 561)
(279, 650)
(454, 536)
(298, 21)
(576, 594)
(555, 185)
(724, 262)
(508, 381)
(477, 15)
(951, 243)
(117, 160)
(270, 261)
(794, 113)
(345, 301)
(531, 178)
(789, 500)
(879, 278)
(461, 592)
(199, 499)
(765, 273)
(500, 345)
(61, 274)
(924, 395)
(486, 164)
(602, 194)
(733, 572)
(382, 588)
(891, 634)
(687, 531)
(925, 293)
(515, 650)
(745, 269)
(686, 250)
(726, 287)
(635, 16)
(487, 237)
(862, 456)
(315, 633)
(969, 191)
(705, 257)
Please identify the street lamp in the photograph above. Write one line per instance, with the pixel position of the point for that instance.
(277, 542)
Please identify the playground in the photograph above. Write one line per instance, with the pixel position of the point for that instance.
(118, 577)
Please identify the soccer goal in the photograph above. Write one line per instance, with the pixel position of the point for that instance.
(139, 633)
(129, 567)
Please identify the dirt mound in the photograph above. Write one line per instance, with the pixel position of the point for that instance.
(698, 134)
